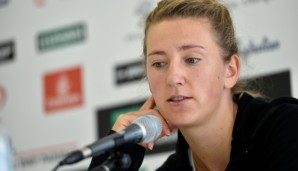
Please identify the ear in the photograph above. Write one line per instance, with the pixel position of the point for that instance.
(232, 71)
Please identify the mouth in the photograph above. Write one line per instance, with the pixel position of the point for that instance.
(177, 99)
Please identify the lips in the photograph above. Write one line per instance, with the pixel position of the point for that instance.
(177, 98)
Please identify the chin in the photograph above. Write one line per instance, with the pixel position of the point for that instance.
(179, 122)
(184, 121)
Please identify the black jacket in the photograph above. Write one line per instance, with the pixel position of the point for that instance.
(265, 137)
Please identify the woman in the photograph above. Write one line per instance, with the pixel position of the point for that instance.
(192, 66)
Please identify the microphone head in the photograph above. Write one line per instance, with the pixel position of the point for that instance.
(151, 127)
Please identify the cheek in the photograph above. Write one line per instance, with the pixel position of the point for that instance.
(152, 83)
(210, 81)
(217, 83)
(156, 88)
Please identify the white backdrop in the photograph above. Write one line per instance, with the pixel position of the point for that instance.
(111, 35)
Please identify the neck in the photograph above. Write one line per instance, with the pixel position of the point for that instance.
(211, 144)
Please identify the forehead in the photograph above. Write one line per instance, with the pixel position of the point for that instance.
(178, 31)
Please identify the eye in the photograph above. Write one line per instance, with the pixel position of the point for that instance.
(192, 60)
(158, 64)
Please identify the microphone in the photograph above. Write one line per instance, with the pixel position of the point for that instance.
(144, 129)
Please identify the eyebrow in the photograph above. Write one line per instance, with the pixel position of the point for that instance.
(157, 52)
(184, 47)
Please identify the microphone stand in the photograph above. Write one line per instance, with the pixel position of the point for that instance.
(115, 162)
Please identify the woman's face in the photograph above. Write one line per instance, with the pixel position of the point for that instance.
(185, 70)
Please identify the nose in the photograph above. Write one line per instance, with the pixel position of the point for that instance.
(175, 74)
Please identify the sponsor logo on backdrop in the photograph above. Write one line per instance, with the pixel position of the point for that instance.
(129, 72)
(252, 47)
(63, 89)
(140, 13)
(61, 37)
(3, 97)
(7, 51)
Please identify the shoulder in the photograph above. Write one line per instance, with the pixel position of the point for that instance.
(256, 113)
(282, 116)
(284, 105)
(269, 130)
(259, 108)
(273, 124)
(278, 135)
(283, 110)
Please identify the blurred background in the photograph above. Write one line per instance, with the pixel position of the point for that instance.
(68, 68)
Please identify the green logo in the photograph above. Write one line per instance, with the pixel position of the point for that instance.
(64, 36)
(118, 112)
